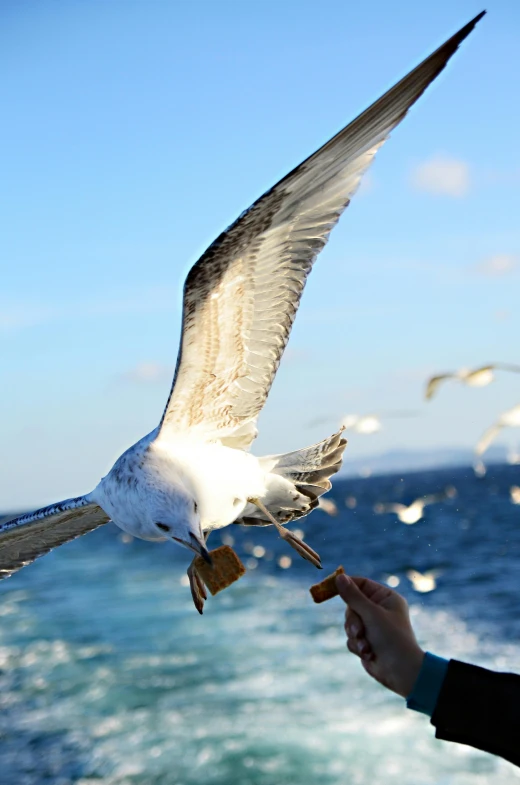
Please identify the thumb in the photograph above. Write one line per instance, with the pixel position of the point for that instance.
(353, 596)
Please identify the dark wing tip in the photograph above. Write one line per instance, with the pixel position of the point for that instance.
(469, 27)
(454, 42)
(449, 47)
(416, 82)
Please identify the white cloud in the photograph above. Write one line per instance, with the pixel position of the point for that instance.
(442, 176)
(497, 265)
(148, 373)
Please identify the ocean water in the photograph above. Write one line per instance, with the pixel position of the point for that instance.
(108, 676)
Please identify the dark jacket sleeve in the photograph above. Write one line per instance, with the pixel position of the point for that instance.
(480, 708)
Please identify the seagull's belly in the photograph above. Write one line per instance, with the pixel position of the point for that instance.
(481, 379)
(412, 514)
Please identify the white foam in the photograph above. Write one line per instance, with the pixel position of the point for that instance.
(262, 683)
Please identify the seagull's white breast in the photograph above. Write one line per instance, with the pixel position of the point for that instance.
(221, 479)
(480, 378)
(413, 513)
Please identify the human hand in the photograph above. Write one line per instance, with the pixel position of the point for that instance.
(379, 631)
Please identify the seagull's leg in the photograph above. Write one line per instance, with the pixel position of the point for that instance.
(303, 549)
(198, 589)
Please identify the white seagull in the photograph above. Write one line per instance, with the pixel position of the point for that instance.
(508, 419)
(476, 377)
(423, 582)
(363, 423)
(480, 469)
(514, 494)
(193, 473)
(328, 506)
(366, 424)
(413, 512)
(513, 456)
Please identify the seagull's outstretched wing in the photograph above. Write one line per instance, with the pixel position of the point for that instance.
(433, 383)
(382, 507)
(25, 538)
(506, 367)
(487, 437)
(241, 297)
(432, 498)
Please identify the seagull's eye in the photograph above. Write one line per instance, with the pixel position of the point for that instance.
(195, 507)
(163, 527)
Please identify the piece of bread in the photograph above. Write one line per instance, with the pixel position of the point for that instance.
(327, 588)
(227, 568)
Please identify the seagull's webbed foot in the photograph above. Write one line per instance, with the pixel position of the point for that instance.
(198, 589)
(290, 537)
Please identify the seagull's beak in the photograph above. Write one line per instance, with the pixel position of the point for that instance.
(197, 545)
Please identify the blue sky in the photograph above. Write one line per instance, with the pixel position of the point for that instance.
(134, 132)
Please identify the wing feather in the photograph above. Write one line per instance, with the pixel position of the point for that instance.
(24, 539)
(433, 383)
(241, 297)
(487, 437)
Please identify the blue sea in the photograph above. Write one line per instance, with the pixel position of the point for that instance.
(108, 676)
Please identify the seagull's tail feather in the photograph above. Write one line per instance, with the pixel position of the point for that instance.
(310, 468)
(296, 480)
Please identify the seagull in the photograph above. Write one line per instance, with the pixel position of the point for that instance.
(194, 473)
(414, 512)
(480, 469)
(514, 493)
(508, 419)
(513, 456)
(362, 423)
(328, 506)
(423, 582)
(367, 424)
(476, 377)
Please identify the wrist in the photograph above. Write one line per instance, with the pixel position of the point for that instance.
(411, 667)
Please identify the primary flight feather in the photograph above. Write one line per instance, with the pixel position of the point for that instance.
(194, 473)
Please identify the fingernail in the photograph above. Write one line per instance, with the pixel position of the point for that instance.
(355, 630)
(363, 647)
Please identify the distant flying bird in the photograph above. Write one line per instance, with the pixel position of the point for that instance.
(508, 419)
(513, 456)
(514, 493)
(370, 423)
(362, 423)
(423, 582)
(413, 512)
(193, 473)
(328, 505)
(478, 377)
(480, 469)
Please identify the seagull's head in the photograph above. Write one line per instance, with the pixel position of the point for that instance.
(182, 524)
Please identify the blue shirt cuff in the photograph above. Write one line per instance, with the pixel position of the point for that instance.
(426, 689)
